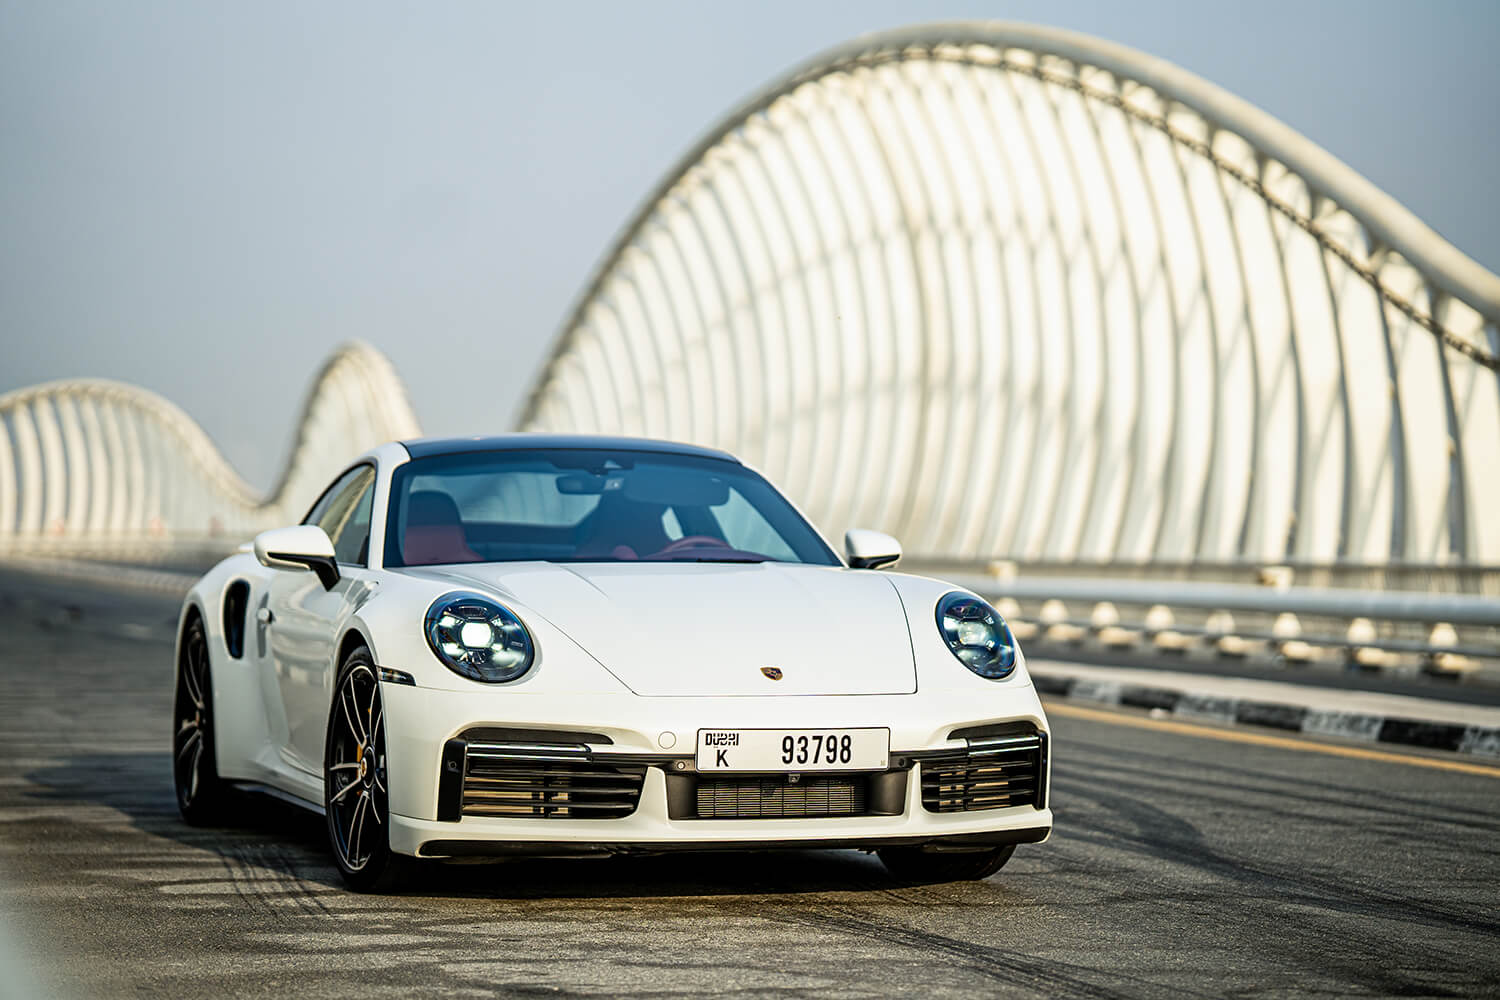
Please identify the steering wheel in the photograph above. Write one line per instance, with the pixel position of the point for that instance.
(688, 543)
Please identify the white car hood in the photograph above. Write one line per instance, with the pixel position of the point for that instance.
(696, 629)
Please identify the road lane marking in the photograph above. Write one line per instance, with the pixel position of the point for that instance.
(1261, 739)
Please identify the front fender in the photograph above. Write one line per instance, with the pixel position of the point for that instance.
(391, 620)
(937, 668)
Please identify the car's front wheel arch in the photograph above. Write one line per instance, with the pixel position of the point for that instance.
(354, 772)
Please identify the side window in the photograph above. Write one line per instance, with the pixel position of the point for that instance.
(344, 512)
(315, 516)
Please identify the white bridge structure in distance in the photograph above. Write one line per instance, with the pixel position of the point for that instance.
(96, 469)
(1011, 291)
(1028, 299)
(1032, 302)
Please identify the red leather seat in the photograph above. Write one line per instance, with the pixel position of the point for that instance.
(434, 531)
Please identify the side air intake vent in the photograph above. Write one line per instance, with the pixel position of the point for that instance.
(993, 773)
(537, 781)
(236, 605)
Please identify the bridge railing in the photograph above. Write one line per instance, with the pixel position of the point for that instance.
(1449, 628)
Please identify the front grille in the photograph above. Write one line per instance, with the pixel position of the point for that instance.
(752, 798)
(992, 774)
(549, 789)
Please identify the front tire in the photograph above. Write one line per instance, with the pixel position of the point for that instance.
(355, 796)
(201, 793)
(918, 865)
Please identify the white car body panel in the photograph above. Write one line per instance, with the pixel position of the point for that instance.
(644, 654)
(706, 629)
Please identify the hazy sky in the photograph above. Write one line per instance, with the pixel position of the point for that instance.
(206, 199)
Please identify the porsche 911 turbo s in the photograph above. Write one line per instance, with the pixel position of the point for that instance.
(558, 645)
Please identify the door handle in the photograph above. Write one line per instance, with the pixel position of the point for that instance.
(264, 616)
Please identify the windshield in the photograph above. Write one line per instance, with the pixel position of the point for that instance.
(590, 506)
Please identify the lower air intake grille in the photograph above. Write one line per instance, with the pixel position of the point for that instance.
(740, 798)
(570, 790)
(993, 774)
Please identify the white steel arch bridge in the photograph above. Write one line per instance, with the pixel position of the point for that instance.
(99, 469)
(1008, 291)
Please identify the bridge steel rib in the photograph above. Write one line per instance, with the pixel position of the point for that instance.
(97, 469)
(1215, 343)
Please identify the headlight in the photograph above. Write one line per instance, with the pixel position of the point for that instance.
(477, 638)
(977, 635)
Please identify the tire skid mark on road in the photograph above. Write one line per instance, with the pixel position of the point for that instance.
(1277, 804)
(1121, 797)
(1046, 977)
(1313, 940)
(1119, 815)
(1161, 835)
(262, 876)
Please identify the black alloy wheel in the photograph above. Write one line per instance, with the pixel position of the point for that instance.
(355, 795)
(925, 866)
(195, 772)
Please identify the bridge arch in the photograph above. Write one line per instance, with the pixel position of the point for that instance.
(102, 469)
(1011, 291)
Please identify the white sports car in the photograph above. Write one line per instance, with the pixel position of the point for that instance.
(582, 645)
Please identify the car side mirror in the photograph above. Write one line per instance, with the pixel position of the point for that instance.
(303, 546)
(865, 549)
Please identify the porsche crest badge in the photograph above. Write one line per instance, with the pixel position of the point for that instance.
(772, 673)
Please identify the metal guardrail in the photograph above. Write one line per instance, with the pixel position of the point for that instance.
(1455, 609)
(1446, 633)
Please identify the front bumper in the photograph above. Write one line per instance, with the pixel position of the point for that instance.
(660, 734)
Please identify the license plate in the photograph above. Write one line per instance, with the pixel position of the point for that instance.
(793, 749)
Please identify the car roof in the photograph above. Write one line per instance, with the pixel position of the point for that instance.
(529, 441)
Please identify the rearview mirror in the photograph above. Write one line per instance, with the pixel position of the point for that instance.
(303, 546)
(673, 487)
(865, 549)
(580, 484)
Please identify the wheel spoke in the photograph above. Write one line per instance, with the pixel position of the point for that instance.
(343, 791)
(193, 741)
(198, 664)
(187, 725)
(192, 683)
(344, 767)
(197, 758)
(373, 810)
(355, 730)
(357, 828)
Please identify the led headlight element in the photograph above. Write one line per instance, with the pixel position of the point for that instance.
(478, 639)
(977, 635)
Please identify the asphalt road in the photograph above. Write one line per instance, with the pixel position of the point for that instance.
(1186, 861)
